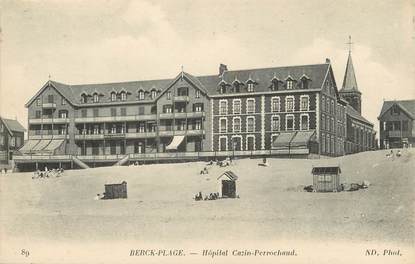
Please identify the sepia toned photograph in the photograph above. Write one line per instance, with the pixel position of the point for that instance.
(150, 131)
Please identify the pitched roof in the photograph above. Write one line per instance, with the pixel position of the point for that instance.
(13, 125)
(263, 76)
(324, 170)
(349, 81)
(230, 175)
(406, 105)
(208, 84)
(356, 115)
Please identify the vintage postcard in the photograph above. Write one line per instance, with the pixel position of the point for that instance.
(267, 131)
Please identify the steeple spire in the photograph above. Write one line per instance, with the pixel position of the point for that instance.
(349, 81)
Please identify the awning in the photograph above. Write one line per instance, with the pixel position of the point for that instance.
(42, 144)
(302, 138)
(174, 144)
(29, 145)
(54, 144)
(283, 140)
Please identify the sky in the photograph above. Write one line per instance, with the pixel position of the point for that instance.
(93, 41)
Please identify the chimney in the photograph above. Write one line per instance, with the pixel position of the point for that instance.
(222, 69)
(328, 60)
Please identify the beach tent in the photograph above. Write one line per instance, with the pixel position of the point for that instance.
(228, 184)
(326, 179)
(116, 190)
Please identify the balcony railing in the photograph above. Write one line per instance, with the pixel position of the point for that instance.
(114, 118)
(34, 121)
(181, 98)
(33, 136)
(181, 115)
(170, 133)
(141, 135)
(398, 133)
(89, 136)
(48, 105)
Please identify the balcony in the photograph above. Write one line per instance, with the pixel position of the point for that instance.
(170, 133)
(34, 121)
(141, 135)
(181, 98)
(181, 115)
(49, 136)
(114, 118)
(397, 134)
(49, 105)
(89, 137)
(114, 135)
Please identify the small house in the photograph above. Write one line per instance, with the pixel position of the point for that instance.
(228, 184)
(116, 191)
(326, 179)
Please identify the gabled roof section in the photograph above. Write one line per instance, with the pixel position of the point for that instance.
(350, 111)
(408, 106)
(263, 76)
(349, 81)
(12, 125)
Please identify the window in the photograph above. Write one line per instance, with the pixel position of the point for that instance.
(236, 106)
(141, 110)
(289, 104)
(113, 112)
(395, 110)
(236, 124)
(274, 85)
(405, 125)
(250, 87)
(304, 103)
(223, 125)
(304, 83)
(250, 106)
(327, 105)
(113, 97)
(169, 95)
(63, 101)
(223, 107)
(83, 113)
(223, 89)
(63, 114)
(113, 129)
(236, 87)
(275, 104)
(289, 122)
(198, 107)
(198, 124)
(96, 130)
(289, 84)
(123, 96)
(332, 107)
(153, 94)
(50, 99)
(275, 123)
(167, 109)
(123, 111)
(197, 94)
(96, 98)
(141, 127)
(84, 98)
(304, 122)
(323, 103)
(323, 122)
(38, 102)
(250, 124)
(323, 142)
(141, 95)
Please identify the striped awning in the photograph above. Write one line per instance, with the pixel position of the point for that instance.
(283, 140)
(302, 138)
(174, 144)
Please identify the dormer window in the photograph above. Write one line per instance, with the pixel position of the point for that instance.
(305, 81)
(113, 97)
(95, 98)
(275, 85)
(153, 94)
(123, 96)
(84, 98)
(223, 89)
(289, 84)
(141, 95)
(395, 110)
(250, 87)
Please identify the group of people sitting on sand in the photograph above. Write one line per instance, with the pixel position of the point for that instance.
(212, 196)
(391, 154)
(221, 163)
(48, 173)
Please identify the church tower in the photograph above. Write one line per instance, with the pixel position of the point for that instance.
(349, 90)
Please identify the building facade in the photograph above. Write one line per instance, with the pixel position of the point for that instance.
(396, 123)
(11, 139)
(294, 110)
